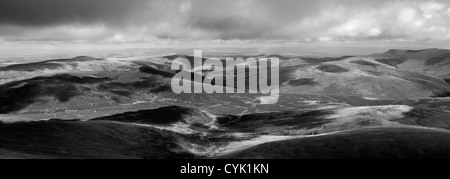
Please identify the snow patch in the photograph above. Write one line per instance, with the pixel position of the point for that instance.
(181, 128)
(312, 103)
(371, 99)
(273, 99)
(367, 116)
(213, 125)
(242, 145)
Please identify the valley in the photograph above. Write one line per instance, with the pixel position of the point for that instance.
(389, 105)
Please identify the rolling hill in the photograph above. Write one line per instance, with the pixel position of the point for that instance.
(389, 105)
(179, 132)
(434, 62)
(76, 139)
(358, 76)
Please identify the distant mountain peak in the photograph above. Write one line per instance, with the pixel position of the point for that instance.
(395, 51)
(85, 58)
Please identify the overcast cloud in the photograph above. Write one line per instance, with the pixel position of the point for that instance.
(263, 21)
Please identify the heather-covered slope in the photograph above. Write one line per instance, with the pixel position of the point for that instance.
(125, 108)
(435, 62)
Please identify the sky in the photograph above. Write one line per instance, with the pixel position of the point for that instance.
(226, 22)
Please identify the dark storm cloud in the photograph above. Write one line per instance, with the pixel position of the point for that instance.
(128, 21)
(50, 12)
(248, 19)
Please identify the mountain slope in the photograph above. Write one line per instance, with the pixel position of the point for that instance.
(97, 139)
(435, 62)
(361, 77)
(379, 143)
